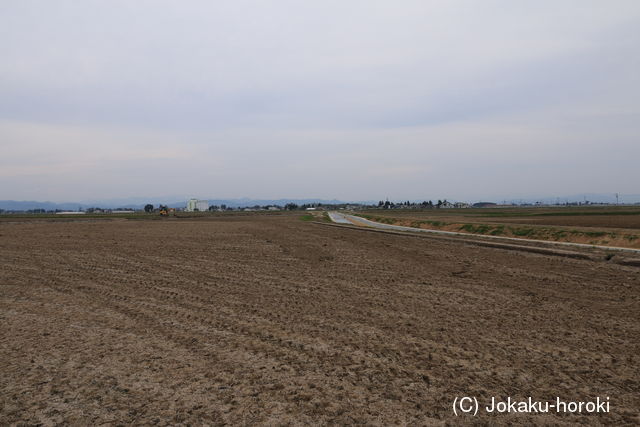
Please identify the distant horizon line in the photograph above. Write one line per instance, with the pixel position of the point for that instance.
(619, 198)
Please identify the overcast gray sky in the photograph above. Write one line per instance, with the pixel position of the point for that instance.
(339, 99)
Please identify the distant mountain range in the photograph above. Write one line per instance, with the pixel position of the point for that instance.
(175, 202)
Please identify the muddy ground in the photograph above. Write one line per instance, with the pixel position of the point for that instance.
(272, 320)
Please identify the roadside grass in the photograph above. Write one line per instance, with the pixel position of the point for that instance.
(381, 219)
(522, 231)
(497, 231)
(324, 217)
(476, 228)
(595, 233)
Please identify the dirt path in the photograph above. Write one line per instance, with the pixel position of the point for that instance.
(273, 320)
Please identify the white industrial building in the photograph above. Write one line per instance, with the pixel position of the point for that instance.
(194, 205)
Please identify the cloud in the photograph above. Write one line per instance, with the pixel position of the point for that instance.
(362, 97)
(43, 149)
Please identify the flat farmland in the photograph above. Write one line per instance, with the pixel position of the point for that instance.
(599, 221)
(607, 226)
(274, 320)
(588, 216)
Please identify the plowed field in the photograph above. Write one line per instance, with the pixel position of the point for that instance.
(272, 320)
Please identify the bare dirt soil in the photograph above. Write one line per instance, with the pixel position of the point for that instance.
(273, 320)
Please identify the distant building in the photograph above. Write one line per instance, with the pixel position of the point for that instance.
(195, 205)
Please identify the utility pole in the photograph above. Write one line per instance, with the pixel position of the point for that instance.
(617, 200)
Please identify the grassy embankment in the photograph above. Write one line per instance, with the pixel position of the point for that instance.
(316, 216)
